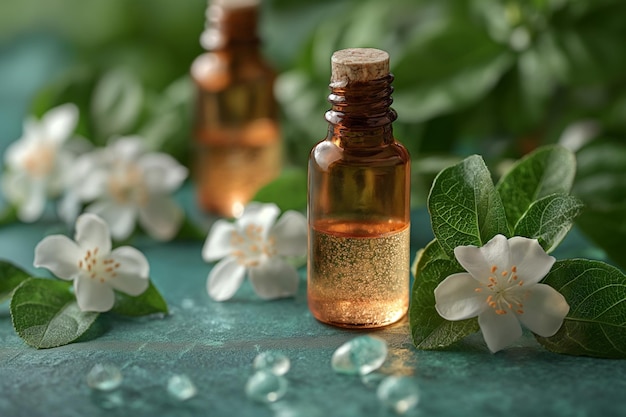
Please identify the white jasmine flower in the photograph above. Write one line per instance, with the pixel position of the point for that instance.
(254, 244)
(86, 182)
(36, 162)
(90, 263)
(502, 288)
(132, 186)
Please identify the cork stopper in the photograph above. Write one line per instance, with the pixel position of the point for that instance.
(358, 65)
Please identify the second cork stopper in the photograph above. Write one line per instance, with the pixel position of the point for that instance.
(358, 65)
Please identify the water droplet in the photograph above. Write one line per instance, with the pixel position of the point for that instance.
(187, 304)
(104, 377)
(360, 355)
(272, 361)
(265, 386)
(181, 387)
(400, 393)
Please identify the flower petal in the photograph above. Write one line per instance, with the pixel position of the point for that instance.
(126, 148)
(58, 123)
(544, 310)
(225, 279)
(532, 262)
(14, 184)
(162, 173)
(290, 234)
(121, 219)
(456, 297)
(34, 203)
(69, 207)
(274, 278)
(133, 271)
(218, 243)
(31, 129)
(93, 295)
(58, 254)
(478, 261)
(161, 218)
(16, 153)
(259, 214)
(499, 330)
(92, 232)
(88, 175)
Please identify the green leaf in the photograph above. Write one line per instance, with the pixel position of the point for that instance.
(446, 70)
(190, 231)
(8, 215)
(45, 313)
(547, 170)
(429, 329)
(601, 184)
(540, 70)
(10, 278)
(596, 322)
(116, 104)
(288, 191)
(150, 302)
(431, 252)
(549, 219)
(464, 206)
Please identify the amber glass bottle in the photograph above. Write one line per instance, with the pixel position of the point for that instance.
(358, 201)
(237, 139)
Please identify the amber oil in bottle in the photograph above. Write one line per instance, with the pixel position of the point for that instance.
(358, 200)
(236, 134)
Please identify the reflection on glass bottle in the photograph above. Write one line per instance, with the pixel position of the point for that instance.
(358, 202)
(237, 138)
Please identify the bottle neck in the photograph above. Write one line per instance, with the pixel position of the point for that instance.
(230, 27)
(361, 116)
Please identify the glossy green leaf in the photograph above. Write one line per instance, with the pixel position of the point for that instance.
(10, 278)
(45, 313)
(548, 170)
(431, 252)
(596, 322)
(428, 328)
(549, 219)
(150, 302)
(288, 191)
(464, 206)
(601, 184)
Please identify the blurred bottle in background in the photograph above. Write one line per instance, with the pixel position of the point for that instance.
(237, 145)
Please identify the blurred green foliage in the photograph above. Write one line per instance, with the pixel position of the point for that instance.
(498, 77)
(495, 77)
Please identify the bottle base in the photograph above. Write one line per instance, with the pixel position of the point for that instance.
(347, 315)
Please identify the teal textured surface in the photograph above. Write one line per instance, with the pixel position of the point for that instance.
(215, 344)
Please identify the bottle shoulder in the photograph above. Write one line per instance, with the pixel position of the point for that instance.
(326, 154)
(218, 70)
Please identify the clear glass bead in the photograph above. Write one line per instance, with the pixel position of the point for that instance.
(181, 387)
(360, 355)
(400, 393)
(104, 377)
(272, 361)
(265, 386)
